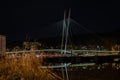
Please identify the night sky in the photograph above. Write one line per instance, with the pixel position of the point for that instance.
(20, 18)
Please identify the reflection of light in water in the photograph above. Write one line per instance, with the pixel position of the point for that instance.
(98, 67)
(84, 67)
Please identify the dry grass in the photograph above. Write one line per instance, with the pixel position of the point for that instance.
(25, 67)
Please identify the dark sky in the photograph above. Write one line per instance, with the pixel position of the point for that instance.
(20, 18)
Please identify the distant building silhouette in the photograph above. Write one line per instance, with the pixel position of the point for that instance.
(2, 44)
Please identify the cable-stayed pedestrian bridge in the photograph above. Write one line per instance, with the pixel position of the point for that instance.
(74, 52)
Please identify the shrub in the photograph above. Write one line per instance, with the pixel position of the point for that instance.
(24, 67)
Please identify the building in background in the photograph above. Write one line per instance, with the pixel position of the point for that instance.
(2, 44)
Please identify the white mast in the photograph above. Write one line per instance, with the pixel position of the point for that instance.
(63, 32)
(67, 31)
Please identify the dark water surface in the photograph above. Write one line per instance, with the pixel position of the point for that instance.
(106, 73)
